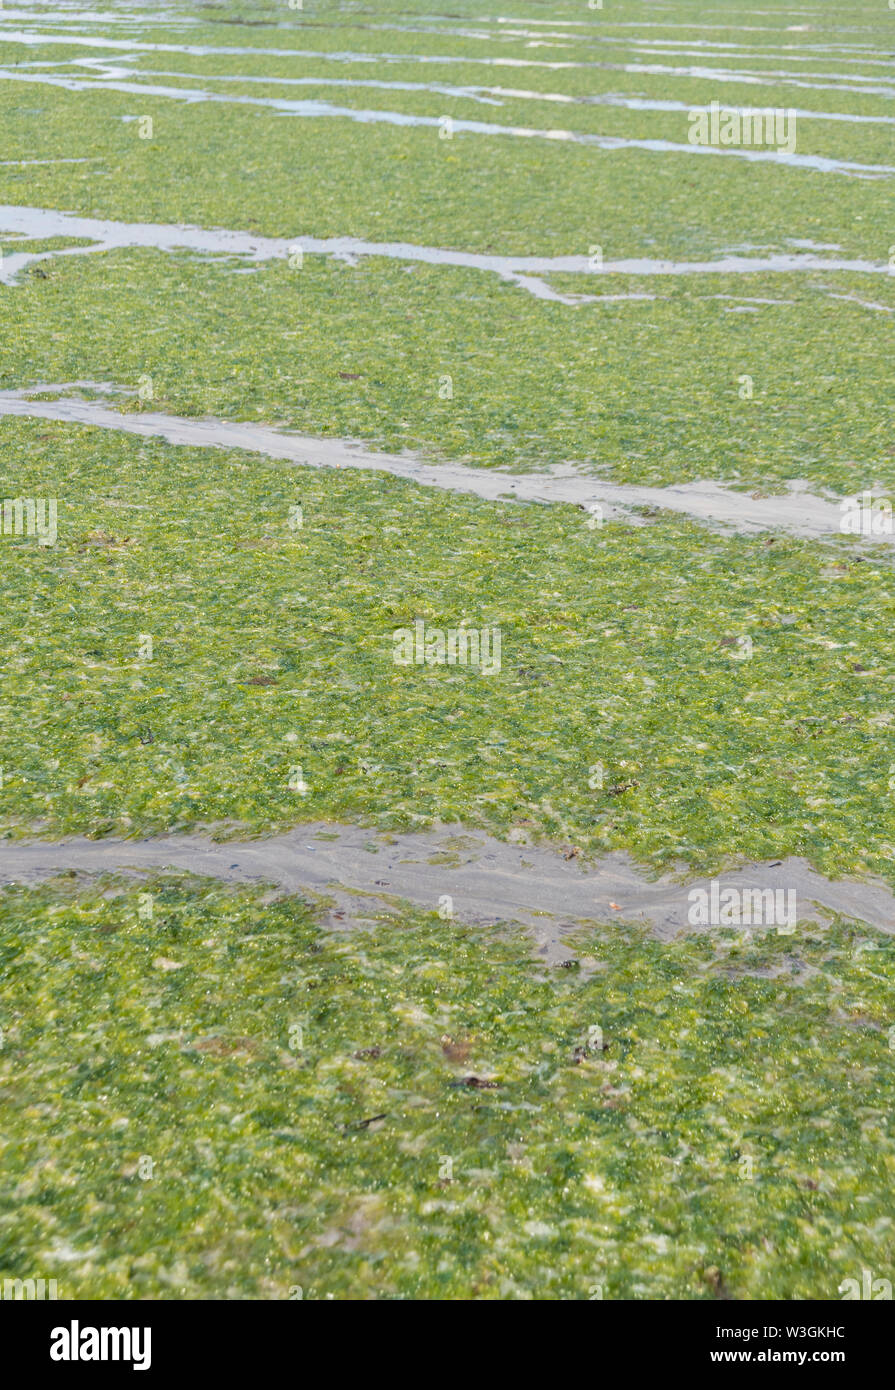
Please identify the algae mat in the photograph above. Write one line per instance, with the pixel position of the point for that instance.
(413, 891)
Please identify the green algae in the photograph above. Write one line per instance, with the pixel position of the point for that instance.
(203, 1094)
(647, 391)
(625, 649)
(205, 1097)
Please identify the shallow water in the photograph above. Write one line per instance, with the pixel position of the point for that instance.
(489, 881)
(106, 71)
(844, 82)
(631, 103)
(486, 96)
(772, 79)
(798, 512)
(155, 16)
(322, 109)
(523, 271)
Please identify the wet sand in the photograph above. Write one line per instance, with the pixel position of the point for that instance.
(797, 512)
(488, 881)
